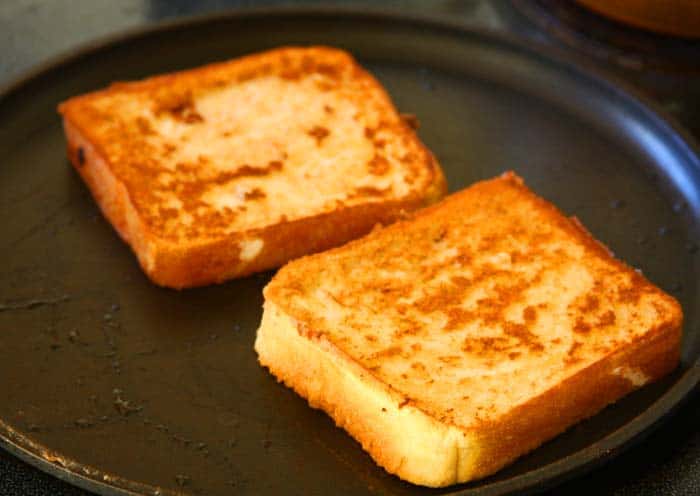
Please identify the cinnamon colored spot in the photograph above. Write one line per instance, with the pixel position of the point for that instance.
(590, 304)
(144, 126)
(255, 194)
(581, 326)
(319, 133)
(180, 105)
(571, 354)
(369, 191)
(524, 335)
(378, 165)
(530, 315)
(608, 318)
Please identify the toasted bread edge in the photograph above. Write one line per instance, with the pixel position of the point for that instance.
(419, 448)
(584, 394)
(203, 72)
(400, 437)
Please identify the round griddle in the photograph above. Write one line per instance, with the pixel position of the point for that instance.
(122, 387)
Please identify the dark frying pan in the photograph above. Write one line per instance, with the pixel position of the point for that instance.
(121, 387)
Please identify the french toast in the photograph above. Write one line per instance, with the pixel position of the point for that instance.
(450, 343)
(237, 167)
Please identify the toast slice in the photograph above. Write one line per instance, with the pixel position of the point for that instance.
(452, 343)
(237, 167)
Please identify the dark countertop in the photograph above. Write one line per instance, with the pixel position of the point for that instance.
(32, 31)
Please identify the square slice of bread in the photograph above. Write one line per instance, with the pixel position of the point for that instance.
(237, 167)
(452, 343)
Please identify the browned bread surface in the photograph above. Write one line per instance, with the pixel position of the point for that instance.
(237, 167)
(451, 343)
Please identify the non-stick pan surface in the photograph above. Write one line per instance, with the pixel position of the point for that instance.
(117, 385)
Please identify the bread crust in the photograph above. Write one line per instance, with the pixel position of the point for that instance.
(380, 418)
(301, 352)
(219, 258)
(400, 437)
(577, 398)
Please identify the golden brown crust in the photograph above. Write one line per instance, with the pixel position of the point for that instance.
(317, 370)
(180, 266)
(400, 437)
(579, 397)
(490, 313)
(207, 249)
(499, 214)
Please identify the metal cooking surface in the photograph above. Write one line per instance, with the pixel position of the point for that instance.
(159, 388)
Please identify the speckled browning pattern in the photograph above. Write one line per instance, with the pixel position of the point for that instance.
(229, 150)
(490, 312)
